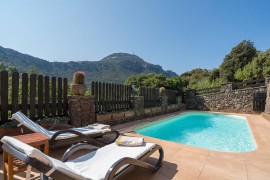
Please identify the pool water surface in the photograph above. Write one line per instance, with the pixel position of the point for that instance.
(213, 131)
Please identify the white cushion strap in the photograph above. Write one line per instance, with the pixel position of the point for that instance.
(28, 172)
(50, 171)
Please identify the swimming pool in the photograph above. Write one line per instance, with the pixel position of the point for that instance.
(213, 131)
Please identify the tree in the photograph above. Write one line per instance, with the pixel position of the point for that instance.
(33, 70)
(240, 55)
(3, 67)
(214, 74)
(191, 78)
(12, 70)
(258, 68)
(154, 81)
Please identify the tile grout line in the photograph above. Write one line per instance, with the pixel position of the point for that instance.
(204, 164)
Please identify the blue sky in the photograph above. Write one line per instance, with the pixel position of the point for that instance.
(178, 35)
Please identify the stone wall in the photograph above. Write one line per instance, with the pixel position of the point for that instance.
(240, 100)
(267, 105)
(81, 110)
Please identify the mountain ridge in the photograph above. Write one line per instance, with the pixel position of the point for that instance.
(114, 68)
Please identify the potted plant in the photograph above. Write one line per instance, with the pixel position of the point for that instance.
(78, 86)
(9, 129)
(47, 122)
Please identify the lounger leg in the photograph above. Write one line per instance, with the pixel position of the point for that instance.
(43, 177)
(5, 160)
(10, 167)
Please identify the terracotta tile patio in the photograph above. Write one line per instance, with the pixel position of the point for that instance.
(187, 162)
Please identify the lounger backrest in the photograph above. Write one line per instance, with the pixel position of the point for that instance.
(37, 154)
(22, 119)
(26, 149)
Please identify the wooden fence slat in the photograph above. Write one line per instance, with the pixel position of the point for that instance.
(24, 93)
(4, 96)
(96, 96)
(99, 97)
(59, 97)
(33, 82)
(113, 97)
(107, 97)
(47, 96)
(15, 92)
(53, 96)
(110, 97)
(65, 100)
(40, 96)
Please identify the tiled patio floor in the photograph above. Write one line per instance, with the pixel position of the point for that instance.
(186, 162)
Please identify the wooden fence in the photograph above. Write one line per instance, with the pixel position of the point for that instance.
(36, 96)
(111, 97)
(246, 84)
(172, 95)
(151, 96)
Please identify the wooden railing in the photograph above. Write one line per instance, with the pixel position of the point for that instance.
(36, 96)
(151, 96)
(247, 84)
(208, 90)
(111, 97)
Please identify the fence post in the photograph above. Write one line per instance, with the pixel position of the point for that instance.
(81, 110)
(267, 104)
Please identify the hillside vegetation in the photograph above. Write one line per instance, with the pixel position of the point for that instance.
(114, 68)
(244, 62)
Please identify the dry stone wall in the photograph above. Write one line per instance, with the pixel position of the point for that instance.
(267, 105)
(229, 101)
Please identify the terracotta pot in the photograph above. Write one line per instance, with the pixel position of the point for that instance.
(78, 89)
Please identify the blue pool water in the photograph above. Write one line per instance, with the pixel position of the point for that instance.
(214, 131)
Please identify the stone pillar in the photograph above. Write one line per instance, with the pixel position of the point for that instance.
(137, 104)
(164, 102)
(81, 110)
(226, 87)
(190, 99)
(267, 104)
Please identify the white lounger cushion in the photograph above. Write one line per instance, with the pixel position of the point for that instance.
(92, 166)
(96, 164)
(37, 154)
(26, 149)
(22, 119)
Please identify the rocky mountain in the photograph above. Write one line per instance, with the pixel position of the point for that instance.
(113, 68)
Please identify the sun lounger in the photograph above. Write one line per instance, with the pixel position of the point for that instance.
(67, 136)
(108, 162)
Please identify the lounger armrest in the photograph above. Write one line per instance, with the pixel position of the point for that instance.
(74, 148)
(81, 135)
(116, 135)
(136, 162)
(59, 127)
